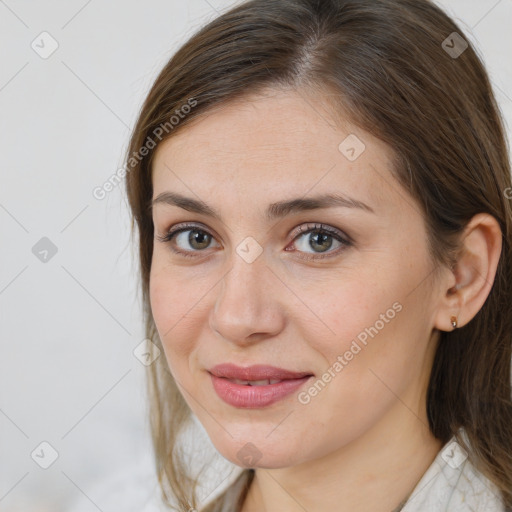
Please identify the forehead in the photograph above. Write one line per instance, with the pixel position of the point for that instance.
(281, 141)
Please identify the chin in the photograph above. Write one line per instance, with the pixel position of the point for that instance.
(251, 450)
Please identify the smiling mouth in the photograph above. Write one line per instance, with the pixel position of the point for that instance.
(255, 394)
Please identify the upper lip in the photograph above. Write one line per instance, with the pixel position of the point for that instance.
(255, 372)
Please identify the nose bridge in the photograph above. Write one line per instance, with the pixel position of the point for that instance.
(245, 302)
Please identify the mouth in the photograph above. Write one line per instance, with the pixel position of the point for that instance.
(256, 373)
(256, 386)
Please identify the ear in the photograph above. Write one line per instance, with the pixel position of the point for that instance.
(467, 285)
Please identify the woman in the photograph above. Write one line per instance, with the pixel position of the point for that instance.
(322, 196)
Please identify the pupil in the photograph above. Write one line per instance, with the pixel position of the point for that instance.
(318, 239)
(198, 239)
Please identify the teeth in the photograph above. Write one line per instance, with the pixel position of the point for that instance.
(264, 382)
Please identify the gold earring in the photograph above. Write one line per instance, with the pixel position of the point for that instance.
(453, 320)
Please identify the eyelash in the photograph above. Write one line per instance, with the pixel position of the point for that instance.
(310, 228)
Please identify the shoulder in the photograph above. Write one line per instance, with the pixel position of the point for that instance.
(453, 483)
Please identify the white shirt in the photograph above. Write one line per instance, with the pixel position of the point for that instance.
(450, 484)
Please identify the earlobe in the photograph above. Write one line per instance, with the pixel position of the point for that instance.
(473, 273)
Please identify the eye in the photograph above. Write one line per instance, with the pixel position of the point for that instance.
(187, 239)
(317, 239)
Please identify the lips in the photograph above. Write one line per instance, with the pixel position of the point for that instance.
(255, 386)
(256, 374)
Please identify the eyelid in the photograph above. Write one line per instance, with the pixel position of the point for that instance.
(318, 226)
(181, 225)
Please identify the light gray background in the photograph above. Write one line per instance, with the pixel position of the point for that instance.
(68, 326)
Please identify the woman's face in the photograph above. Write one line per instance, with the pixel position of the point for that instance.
(342, 291)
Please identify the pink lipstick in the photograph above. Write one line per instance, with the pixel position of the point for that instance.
(255, 386)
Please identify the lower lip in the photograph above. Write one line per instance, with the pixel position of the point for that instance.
(254, 397)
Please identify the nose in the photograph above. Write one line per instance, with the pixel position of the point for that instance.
(247, 306)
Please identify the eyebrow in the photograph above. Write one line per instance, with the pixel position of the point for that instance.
(274, 210)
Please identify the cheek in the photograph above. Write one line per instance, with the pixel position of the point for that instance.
(368, 365)
(375, 320)
(341, 305)
(174, 301)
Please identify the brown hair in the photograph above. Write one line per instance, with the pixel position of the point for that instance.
(385, 64)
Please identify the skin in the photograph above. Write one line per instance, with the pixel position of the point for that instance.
(363, 442)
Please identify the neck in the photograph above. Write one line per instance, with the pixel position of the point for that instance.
(374, 472)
